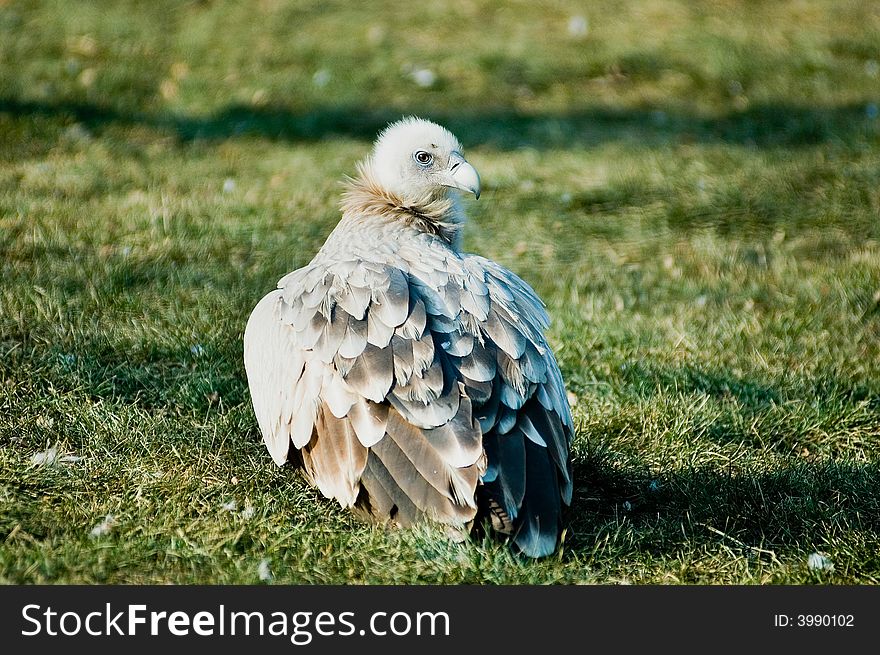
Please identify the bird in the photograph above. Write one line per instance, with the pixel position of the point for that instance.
(408, 380)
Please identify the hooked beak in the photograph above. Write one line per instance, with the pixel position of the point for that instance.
(461, 175)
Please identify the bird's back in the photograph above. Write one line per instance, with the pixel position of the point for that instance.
(412, 379)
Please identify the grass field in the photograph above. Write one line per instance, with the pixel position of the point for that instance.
(694, 192)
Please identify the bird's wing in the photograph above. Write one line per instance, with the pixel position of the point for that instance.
(337, 359)
(524, 413)
(413, 379)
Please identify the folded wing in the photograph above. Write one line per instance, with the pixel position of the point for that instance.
(408, 385)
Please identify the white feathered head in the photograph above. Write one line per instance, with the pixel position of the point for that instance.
(414, 157)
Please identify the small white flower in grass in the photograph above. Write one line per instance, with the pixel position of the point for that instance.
(263, 570)
(819, 562)
(424, 77)
(197, 350)
(104, 527)
(248, 512)
(229, 506)
(578, 26)
(228, 185)
(321, 78)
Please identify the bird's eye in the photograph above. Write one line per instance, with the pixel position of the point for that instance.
(423, 158)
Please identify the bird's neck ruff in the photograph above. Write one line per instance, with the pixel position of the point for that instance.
(434, 213)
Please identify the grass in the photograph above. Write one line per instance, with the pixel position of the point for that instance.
(694, 191)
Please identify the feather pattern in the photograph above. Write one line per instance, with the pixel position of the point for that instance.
(414, 381)
(334, 459)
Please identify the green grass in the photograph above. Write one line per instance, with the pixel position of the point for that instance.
(694, 192)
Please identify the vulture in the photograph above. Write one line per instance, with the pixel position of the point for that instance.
(409, 380)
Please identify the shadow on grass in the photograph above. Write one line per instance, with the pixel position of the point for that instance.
(755, 510)
(645, 379)
(824, 413)
(751, 512)
(753, 506)
(761, 125)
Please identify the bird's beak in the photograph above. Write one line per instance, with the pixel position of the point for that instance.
(461, 175)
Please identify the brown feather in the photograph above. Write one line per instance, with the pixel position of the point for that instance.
(434, 213)
(384, 499)
(334, 459)
(435, 486)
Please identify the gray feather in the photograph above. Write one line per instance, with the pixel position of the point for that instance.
(372, 373)
(459, 343)
(503, 333)
(332, 335)
(406, 451)
(475, 304)
(379, 333)
(427, 415)
(459, 441)
(487, 412)
(478, 392)
(510, 397)
(354, 341)
(354, 300)
(511, 372)
(336, 394)
(441, 324)
(308, 336)
(434, 302)
(480, 364)
(414, 326)
(506, 419)
(423, 353)
(391, 303)
(403, 359)
(532, 364)
(538, 530)
(525, 424)
(368, 420)
(506, 455)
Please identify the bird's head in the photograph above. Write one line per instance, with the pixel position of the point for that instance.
(414, 158)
